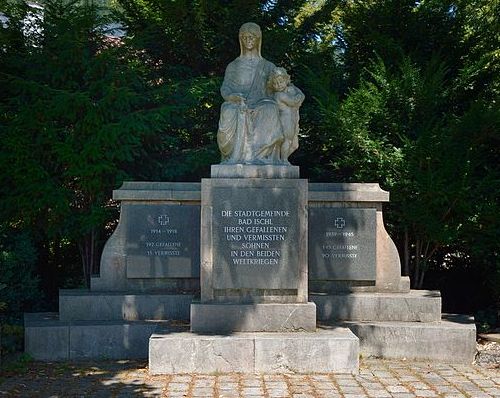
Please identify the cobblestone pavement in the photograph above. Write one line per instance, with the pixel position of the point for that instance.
(377, 379)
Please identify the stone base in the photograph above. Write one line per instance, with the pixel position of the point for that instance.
(84, 305)
(325, 351)
(254, 171)
(226, 318)
(46, 338)
(451, 340)
(415, 306)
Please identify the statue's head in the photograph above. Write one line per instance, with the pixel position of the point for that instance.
(278, 80)
(250, 37)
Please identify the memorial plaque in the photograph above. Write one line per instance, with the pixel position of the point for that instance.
(342, 244)
(162, 241)
(255, 237)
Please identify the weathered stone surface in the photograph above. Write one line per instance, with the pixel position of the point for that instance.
(388, 266)
(325, 351)
(347, 192)
(83, 305)
(259, 119)
(192, 353)
(254, 239)
(254, 171)
(159, 240)
(49, 339)
(415, 306)
(342, 243)
(45, 337)
(109, 339)
(222, 318)
(333, 350)
(451, 340)
(125, 261)
(167, 191)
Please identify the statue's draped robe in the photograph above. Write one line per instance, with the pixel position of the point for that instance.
(251, 133)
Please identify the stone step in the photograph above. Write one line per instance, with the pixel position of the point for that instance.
(285, 317)
(47, 338)
(451, 340)
(415, 306)
(327, 350)
(85, 305)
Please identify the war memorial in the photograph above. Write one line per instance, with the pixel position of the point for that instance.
(254, 269)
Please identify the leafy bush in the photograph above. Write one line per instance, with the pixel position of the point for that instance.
(19, 289)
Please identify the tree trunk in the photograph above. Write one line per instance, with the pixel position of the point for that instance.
(87, 253)
(406, 254)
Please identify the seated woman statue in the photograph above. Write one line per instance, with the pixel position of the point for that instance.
(250, 131)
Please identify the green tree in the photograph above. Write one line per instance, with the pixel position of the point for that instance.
(77, 117)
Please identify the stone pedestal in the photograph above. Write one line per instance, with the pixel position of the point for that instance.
(332, 349)
(332, 238)
(253, 255)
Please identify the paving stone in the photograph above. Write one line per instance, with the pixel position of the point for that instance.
(378, 393)
(347, 382)
(278, 394)
(252, 390)
(485, 383)
(177, 394)
(329, 394)
(251, 382)
(398, 388)
(228, 386)
(425, 393)
(202, 391)
(325, 386)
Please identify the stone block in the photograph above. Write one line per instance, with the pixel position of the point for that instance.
(49, 339)
(254, 171)
(156, 240)
(46, 338)
(347, 192)
(179, 192)
(254, 240)
(342, 244)
(328, 350)
(110, 339)
(324, 198)
(192, 353)
(84, 305)
(159, 240)
(415, 306)
(325, 351)
(224, 318)
(451, 340)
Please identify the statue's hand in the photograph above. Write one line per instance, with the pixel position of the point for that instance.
(237, 98)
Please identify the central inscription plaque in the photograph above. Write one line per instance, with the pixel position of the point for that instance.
(254, 235)
(255, 244)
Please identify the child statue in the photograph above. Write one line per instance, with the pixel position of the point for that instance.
(289, 98)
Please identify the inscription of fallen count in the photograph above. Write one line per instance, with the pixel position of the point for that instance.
(158, 242)
(252, 233)
(342, 243)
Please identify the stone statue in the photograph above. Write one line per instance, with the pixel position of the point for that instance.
(289, 99)
(259, 117)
